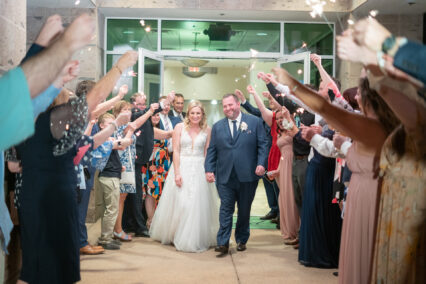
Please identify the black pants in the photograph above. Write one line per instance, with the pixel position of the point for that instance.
(298, 179)
(133, 219)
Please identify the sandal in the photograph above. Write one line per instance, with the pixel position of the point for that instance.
(122, 236)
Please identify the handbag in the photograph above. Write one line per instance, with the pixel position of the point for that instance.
(128, 177)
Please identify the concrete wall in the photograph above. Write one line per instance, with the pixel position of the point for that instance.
(13, 33)
(410, 26)
(207, 87)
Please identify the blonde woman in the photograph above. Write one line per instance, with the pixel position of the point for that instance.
(187, 214)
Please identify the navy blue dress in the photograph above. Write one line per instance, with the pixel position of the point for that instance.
(321, 223)
(48, 212)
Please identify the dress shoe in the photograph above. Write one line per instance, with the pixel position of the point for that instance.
(241, 247)
(291, 242)
(275, 220)
(116, 242)
(296, 246)
(110, 246)
(90, 250)
(269, 216)
(143, 233)
(96, 247)
(222, 249)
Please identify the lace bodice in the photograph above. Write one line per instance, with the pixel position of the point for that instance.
(190, 147)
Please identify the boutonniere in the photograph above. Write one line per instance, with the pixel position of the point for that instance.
(243, 126)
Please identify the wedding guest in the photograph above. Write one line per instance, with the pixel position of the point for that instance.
(138, 100)
(109, 181)
(178, 104)
(271, 188)
(289, 216)
(154, 174)
(133, 219)
(398, 249)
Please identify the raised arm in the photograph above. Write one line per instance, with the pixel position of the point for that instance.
(246, 105)
(42, 69)
(142, 119)
(162, 134)
(266, 113)
(359, 127)
(109, 104)
(105, 85)
(100, 137)
(176, 153)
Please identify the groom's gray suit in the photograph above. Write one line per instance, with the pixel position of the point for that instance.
(234, 161)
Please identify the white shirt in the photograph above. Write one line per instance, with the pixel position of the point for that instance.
(231, 125)
(163, 118)
(175, 113)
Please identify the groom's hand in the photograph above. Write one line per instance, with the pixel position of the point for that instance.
(210, 177)
(260, 170)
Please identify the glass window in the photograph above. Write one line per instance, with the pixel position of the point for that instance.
(316, 38)
(219, 36)
(126, 34)
(129, 76)
(315, 75)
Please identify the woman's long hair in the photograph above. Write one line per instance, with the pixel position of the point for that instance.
(369, 97)
(203, 121)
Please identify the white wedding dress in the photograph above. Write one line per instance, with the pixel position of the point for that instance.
(188, 216)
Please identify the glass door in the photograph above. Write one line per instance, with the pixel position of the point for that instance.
(150, 75)
(298, 65)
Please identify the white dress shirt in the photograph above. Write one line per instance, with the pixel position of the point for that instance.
(175, 113)
(167, 123)
(231, 125)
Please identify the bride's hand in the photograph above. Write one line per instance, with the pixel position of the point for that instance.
(178, 180)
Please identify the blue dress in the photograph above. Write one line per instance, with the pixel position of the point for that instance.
(48, 213)
(321, 224)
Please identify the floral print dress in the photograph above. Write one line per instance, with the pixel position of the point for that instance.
(154, 173)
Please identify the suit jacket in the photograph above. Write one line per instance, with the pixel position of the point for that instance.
(174, 119)
(145, 139)
(243, 153)
(172, 114)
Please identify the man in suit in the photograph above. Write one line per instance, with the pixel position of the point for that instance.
(177, 110)
(167, 121)
(133, 219)
(236, 159)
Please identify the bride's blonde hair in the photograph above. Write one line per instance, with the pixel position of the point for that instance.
(203, 121)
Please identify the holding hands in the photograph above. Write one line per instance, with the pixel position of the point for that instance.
(210, 177)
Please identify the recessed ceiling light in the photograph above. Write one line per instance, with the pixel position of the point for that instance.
(128, 32)
(134, 41)
(261, 34)
(222, 14)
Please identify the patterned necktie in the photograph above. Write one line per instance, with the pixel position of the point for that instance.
(234, 129)
(166, 123)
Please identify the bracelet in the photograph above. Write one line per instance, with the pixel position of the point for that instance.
(381, 61)
(119, 70)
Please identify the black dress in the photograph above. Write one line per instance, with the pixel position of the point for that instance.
(48, 211)
(321, 223)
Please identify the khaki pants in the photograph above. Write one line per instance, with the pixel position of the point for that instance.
(109, 195)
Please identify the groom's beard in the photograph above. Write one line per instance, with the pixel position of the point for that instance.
(234, 114)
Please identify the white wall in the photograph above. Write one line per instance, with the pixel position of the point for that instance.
(207, 87)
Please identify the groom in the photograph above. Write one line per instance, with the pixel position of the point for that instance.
(236, 159)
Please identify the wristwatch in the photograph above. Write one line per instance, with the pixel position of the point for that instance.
(388, 44)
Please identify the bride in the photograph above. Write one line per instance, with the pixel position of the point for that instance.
(187, 214)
